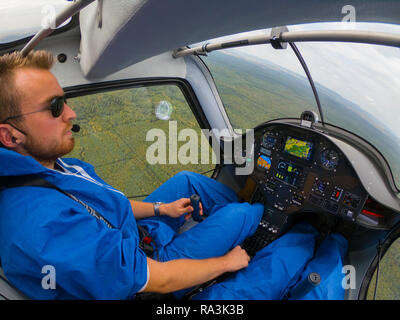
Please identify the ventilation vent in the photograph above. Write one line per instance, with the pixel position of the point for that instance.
(308, 118)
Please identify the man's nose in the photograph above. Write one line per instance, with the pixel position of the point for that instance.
(68, 113)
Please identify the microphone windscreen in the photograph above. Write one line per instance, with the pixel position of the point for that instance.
(75, 128)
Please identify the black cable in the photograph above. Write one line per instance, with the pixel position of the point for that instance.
(203, 173)
(377, 268)
(310, 80)
(139, 196)
(145, 195)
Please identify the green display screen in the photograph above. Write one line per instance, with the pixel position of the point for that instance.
(298, 148)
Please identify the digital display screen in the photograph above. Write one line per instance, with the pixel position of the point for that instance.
(298, 148)
(265, 151)
(264, 162)
(288, 172)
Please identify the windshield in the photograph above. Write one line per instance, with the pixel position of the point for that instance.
(21, 18)
(259, 83)
(357, 85)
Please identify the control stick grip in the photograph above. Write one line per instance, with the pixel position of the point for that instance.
(195, 203)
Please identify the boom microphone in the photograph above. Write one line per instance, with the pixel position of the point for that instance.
(75, 128)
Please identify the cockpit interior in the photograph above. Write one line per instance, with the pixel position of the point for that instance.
(303, 167)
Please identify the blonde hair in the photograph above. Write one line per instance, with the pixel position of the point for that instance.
(9, 63)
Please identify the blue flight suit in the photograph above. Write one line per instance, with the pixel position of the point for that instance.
(41, 227)
(273, 271)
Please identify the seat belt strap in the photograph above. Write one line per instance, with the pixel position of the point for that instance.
(36, 181)
(146, 243)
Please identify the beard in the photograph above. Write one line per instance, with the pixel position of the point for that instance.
(48, 152)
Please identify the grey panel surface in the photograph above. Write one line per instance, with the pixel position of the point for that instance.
(7, 291)
(70, 74)
(372, 178)
(135, 30)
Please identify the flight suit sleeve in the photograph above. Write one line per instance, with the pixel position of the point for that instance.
(89, 260)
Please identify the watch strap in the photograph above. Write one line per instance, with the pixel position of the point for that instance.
(157, 208)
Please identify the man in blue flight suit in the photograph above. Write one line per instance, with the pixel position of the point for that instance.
(88, 231)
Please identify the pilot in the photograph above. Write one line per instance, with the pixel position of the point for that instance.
(73, 236)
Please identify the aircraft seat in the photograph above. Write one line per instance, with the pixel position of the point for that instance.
(8, 291)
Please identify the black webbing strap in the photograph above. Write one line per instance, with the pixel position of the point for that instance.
(36, 181)
(146, 242)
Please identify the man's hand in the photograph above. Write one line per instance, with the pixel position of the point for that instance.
(178, 208)
(178, 274)
(236, 259)
(174, 209)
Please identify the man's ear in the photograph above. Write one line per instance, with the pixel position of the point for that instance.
(6, 137)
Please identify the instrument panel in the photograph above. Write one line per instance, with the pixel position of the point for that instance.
(298, 169)
(303, 170)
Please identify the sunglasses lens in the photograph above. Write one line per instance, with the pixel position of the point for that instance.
(57, 106)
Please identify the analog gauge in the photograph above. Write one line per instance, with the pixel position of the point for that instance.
(268, 140)
(329, 159)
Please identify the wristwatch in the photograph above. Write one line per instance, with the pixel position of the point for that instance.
(157, 208)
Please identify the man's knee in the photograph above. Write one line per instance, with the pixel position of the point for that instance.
(244, 213)
(185, 175)
(192, 178)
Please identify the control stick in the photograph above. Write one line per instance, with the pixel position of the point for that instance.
(195, 203)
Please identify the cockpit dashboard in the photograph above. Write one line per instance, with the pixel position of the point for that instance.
(299, 169)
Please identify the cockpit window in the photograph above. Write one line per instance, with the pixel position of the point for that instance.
(259, 83)
(20, 18)
(139, 137)
(357, 84)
